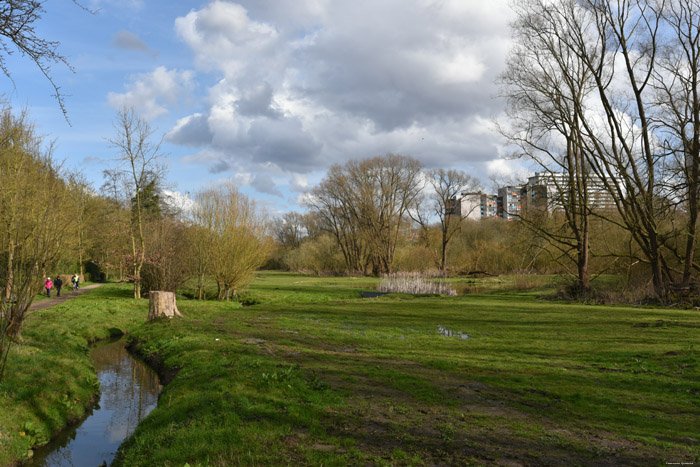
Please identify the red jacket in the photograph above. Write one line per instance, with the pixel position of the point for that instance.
(48, 284)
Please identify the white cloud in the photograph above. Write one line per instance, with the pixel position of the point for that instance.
(179, 201)
(307, 83)
(150, 93)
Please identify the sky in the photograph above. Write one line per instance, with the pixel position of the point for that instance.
(271, 93)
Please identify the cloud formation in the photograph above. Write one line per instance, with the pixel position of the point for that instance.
(150, 93)
(126, 40)
(304, 84)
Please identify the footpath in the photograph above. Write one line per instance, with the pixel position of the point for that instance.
(66, 294)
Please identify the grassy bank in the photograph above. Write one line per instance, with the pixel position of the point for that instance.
(310, 373)
(50, 380)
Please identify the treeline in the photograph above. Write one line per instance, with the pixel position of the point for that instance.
(387, 214)
(53, 222)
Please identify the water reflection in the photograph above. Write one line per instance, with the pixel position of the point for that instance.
(128, 392)
(450, 333)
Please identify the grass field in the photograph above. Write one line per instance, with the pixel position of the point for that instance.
(310, 373)
(305, 371)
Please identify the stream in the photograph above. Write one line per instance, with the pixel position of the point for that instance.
(128, 392)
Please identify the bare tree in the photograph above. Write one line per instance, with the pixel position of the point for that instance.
(677, 87)
(547, 86)
(139, 156)
(447, 188)
(18, 34)
(621, 52)
(365, 205)
(290, 229)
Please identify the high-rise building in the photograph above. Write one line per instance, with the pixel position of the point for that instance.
(509, 203)
(473, 205)
(547, 190)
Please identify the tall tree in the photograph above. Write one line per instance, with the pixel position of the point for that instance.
(547, 86)
(35, 216)
(447, 188)
(139, 156)
(365, 206)
(677, 88)
(620, 50)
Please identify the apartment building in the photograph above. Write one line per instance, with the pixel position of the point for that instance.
(543, 190)
(474, 205)
(547, 190)
(509, 202)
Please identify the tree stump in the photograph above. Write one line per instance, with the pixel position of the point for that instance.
(162, 305)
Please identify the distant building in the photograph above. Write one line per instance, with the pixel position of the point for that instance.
(548, 191)
(543, 191)
(509, 202)
(470, 205)
(473, 205)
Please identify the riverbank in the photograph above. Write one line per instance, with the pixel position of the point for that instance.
(50, 380)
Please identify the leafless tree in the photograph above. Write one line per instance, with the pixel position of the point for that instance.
(18, 20)
(139, 164)
(547, 85)
(365, 206)
(290, 229)
(677, 87)
(447, 188)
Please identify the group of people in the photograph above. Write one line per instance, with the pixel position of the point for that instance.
(58, 283)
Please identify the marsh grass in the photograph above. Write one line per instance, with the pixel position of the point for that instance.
(414, 283)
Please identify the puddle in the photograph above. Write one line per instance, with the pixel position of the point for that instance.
(128, 392)
(372, 294)
(451, 333)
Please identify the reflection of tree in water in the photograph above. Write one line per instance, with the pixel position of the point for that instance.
(128, 392)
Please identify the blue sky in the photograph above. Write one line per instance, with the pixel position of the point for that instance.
(270, 93)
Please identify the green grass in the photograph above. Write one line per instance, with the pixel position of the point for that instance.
(312, 374)
(50, 379)
(303, 371)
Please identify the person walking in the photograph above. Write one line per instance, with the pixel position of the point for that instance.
(48, 285)
(58, 283)
(76, 281)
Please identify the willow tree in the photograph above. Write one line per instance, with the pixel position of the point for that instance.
(35, 216)
(365, 205)
(234, 237)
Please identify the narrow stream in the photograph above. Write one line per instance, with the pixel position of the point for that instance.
(128, 392)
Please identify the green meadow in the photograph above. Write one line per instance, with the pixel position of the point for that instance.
(303, 370)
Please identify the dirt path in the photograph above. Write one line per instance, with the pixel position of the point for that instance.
(67, 294)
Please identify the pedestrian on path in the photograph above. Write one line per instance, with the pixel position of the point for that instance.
(58, 283)
(48, 285)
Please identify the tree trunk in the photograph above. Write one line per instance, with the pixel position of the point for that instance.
(162, 305)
